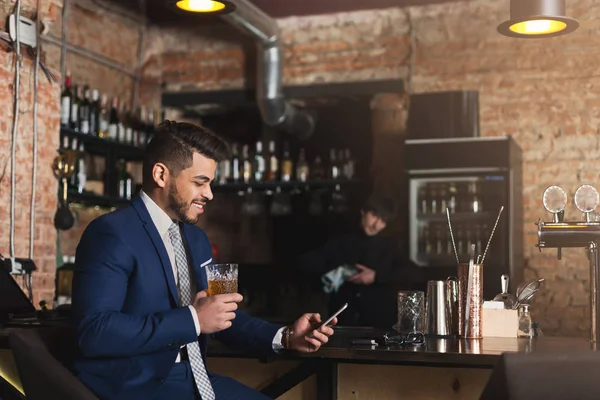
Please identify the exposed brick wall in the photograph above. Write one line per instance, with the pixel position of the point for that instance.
(100, 31)
(44, 233)
(543, 92)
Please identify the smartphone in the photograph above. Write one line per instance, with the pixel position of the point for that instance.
(338, 312)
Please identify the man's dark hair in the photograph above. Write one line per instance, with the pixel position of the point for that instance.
(174, 144)
(382, 206)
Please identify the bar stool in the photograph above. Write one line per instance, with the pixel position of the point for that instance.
(41, 355)
(573, 375)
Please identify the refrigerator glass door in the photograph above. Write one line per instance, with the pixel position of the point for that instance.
(473, 202)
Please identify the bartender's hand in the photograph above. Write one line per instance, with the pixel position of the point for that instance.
(215, 313)
(366, 276)
(305, 338)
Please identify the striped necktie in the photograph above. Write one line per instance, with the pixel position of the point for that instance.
(185, 297)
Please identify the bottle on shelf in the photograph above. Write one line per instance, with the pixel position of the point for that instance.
(423, 200)
(302, 169)
(103, 118)
(286, 164)
(113, 120)
(317, 171)
(84, 112)
(334, 168)
(224, 171)
(81, 170)
(349, 164)
(125, 181)
(235, 163)
(94, 112)
(272, 173)
(74, 117)
(258, 168)
(452, 198)
(246, 164)
(66, 99)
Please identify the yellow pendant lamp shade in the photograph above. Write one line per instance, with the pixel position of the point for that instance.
(203, 6)
(537, 19)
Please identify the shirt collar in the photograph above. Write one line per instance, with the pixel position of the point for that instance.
(161, 220)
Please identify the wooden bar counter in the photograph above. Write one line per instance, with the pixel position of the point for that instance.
(438, 369)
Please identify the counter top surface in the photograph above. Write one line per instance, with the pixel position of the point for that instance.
(483, 353)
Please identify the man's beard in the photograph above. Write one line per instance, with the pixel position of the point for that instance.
(179, 206)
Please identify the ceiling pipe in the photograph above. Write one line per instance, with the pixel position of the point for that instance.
(274, 109)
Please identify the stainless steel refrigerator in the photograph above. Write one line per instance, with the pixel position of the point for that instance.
(472, 177)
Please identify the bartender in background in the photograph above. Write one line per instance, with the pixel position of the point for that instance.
(370, 264)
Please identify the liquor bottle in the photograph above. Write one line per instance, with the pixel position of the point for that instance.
(259, 163)
(341, 164)
(150, 125)
(84, 111)
(349, 165)
(443, 199)
(286, 164)
(235, 163)
(224, 170)
(81, 170)
(126, 124)
(334, 168)
(452, 193)
(66, 98)
(94, 111)
(433, 197)
(103, 118)
(142, 118)
(273, 163)
(302, 169)
(423, 200)
(113, 120)
(317, 171)
(73, 180)
(246, 164)
(125, 181)
(475, 199)
(74, 123)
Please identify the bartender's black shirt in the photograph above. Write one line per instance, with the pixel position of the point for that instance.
(368, 305)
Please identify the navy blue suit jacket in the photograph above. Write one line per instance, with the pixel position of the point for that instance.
(125, 302)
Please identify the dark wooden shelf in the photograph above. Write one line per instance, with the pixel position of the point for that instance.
(284, 186)
(457, 217)
(98, 146)
(91, 199)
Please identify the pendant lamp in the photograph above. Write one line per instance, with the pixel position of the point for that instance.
(202, 6)
(537, 19)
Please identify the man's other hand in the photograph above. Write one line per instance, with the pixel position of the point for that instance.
(306, 338)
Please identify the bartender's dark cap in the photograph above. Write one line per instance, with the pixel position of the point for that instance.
(382, 206)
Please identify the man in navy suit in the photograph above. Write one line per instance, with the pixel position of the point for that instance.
(141, 309)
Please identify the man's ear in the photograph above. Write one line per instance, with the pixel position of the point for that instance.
(161, 175)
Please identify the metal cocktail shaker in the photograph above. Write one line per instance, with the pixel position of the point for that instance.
(441, 308)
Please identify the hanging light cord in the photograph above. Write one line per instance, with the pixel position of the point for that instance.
(36, 70)
(15, 127)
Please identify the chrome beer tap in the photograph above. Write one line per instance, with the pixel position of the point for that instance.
(584, 234)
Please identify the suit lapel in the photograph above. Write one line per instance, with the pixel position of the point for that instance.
(140, 207)
(197, 258)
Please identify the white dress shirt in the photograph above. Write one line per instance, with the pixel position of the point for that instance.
(162, 222)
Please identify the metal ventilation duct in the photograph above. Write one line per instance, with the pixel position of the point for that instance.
(275, 110)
